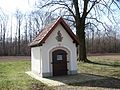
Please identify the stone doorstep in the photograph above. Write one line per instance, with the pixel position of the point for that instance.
(47, 81)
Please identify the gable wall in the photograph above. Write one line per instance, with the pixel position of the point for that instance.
(51, 43)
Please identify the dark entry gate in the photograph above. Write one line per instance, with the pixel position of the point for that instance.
(59, 62)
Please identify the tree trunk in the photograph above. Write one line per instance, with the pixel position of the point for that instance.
(4, 33)
(92, 42)
(80, 31)
(19, 37)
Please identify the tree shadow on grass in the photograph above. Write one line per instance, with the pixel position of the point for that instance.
(105, 64)
(90, 80)
(104, 83)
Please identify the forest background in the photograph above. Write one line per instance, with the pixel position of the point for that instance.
(20, 26)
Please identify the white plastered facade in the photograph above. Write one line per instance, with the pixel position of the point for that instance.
(41, 56)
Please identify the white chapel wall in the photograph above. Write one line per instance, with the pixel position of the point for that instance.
(51, 42)
(36, 59)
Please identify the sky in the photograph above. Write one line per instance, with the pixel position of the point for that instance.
(10, 6)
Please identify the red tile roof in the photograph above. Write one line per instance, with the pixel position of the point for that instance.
(44, 34)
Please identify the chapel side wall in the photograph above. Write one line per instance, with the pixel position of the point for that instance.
(36, 60)
(51, 43)
(73, 63)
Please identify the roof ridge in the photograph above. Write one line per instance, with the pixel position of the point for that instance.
(48, 29)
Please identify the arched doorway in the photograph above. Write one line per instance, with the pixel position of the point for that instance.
(59, 58)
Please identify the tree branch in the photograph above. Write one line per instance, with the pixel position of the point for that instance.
(62, 3)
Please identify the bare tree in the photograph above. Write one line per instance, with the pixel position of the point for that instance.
(3, 29)
(26, 29)
(19, 16)
(30, 28)
(82, 13)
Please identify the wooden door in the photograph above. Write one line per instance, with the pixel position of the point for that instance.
(59, 62)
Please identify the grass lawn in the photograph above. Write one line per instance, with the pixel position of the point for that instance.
(13, 77)
(108, 65)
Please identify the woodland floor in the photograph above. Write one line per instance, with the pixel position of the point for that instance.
(13, 77)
